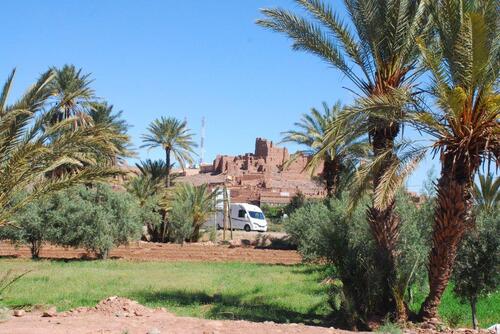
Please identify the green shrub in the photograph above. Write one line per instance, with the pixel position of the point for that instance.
(414, 243)
(29, 225)
(296, 202)
(274, 217)
(389, 328)
(305, 227)
(97, 219)
(273, 212)
(326, 231)
(477, 266)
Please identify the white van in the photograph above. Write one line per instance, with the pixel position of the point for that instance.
(243, 216)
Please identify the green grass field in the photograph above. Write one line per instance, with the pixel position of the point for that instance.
(210, 290)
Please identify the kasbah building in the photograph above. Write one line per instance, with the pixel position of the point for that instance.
(266, 176)
(258, 178)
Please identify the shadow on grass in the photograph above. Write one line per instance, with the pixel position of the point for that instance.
(234, 306)
(310, 269)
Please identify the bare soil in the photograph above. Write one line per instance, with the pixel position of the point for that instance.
(117, 315)
(121, 315)
(240, 250)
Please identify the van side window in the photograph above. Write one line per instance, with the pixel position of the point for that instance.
(241, 214)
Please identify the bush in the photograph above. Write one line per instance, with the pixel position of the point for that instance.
(97, 219)
(325, 231)
(296, 202)
(477, 267)
(273, 212)
(414, 243)
(29, 225)
(305, 227)
(389, 328)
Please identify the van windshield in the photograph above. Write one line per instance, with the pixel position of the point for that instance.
(256, 215)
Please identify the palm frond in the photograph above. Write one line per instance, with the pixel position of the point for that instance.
(28, 150)
(395, 176)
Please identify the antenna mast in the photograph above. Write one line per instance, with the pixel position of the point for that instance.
(202, 140)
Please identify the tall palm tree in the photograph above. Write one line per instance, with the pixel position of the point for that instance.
(487, 192)
(378, 54)
(175, 138)
(72, 93)
(102, 113)
(30, 147)
(465, 66)
(339, 160)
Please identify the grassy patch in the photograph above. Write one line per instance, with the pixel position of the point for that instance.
(211, 290)
(456, 314)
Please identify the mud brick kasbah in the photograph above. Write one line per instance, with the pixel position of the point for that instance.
(259, 178)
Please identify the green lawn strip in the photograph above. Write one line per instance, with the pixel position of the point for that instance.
(211, 290)
(254, 292)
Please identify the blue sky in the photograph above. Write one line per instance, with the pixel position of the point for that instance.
(186, 59)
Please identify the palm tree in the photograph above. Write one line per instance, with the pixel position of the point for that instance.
(30, 147)
(151, 196)
(155, 169)
(196, 204)
(144, 188)
(175, 138)
(72, 93)
(487, 192)
(379, 56)
(338, 161)
(101, 113)
(464, 65)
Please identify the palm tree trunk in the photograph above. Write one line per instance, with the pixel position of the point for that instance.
(167, 161)
(164, 226)
(451, 219)
(385, 225)
(331, 173)
(196, 233)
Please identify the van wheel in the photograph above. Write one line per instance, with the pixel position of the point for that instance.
(247, 228)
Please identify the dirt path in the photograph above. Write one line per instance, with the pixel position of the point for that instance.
(120, 316)
(167, 252)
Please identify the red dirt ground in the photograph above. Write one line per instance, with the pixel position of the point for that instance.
(166, 252)
(116, 315)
